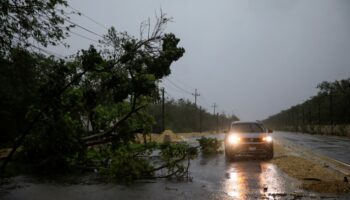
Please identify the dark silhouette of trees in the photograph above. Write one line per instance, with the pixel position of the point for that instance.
(330, 107)
(183, 116)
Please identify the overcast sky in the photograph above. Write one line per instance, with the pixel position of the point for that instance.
(253, 58)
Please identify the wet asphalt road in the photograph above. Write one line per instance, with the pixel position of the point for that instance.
(212, 178)
(332, 146)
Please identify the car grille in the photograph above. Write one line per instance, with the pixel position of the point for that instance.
(251, 139)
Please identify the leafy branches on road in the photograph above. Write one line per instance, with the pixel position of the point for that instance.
(209, 145)
(129, 163)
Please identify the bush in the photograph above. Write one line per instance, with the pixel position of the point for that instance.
(209, 145)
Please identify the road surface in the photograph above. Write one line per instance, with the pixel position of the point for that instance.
(332, 146)
(212, 178)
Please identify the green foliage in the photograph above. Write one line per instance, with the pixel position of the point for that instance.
(126, 166)
(94, 94)
(331, 106)
(35, 19)
(19, 86)
(209, 145)
(57, 140)
(132, 162)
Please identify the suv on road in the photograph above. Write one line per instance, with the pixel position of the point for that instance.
(248, 138)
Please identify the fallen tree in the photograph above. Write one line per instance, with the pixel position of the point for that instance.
(96, 98)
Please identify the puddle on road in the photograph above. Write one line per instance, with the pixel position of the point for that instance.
(256, 179)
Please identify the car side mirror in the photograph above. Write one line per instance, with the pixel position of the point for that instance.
(269, 131)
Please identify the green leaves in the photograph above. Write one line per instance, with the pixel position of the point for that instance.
(95, 95)
(91, 60)
(209, 145)
(126, 167)
(38, 20)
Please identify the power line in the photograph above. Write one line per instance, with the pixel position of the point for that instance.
(83, 36)
(175, 88)
(206, 102)
(169, 94)
(90, 18)
(48, 52)
(180, 88)
(86, 29)
(181, 82)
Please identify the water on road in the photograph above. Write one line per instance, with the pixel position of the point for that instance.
(332, 146)
(212, 178)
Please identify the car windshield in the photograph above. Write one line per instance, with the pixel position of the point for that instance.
(247, 128)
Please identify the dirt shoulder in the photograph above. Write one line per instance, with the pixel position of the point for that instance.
(315, 172)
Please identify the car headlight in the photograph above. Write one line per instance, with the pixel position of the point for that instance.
(233, 139)
(267, 139)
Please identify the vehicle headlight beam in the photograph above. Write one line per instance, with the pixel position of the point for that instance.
(233, 139)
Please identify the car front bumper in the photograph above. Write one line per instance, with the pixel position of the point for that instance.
(250, 148)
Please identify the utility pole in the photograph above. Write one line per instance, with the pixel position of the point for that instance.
(217, 122)
(310, 113)
(222, 122)
(163, 111)
(331, 108)
(217, 117)
(303, 115)
(200, 119)
(214, 106)
(319, 111)
(195, 94)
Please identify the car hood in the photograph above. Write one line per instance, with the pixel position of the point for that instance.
(252, 135)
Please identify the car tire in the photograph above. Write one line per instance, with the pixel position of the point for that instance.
(270, 154)
(230, 156)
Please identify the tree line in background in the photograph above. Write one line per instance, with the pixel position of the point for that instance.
(184, 116)
(330, 108)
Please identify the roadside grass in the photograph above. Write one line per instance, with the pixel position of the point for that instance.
(314, 176)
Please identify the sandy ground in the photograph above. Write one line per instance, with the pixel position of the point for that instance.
(315, 176)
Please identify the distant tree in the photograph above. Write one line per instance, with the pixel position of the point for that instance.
(183, 116)
(329, 107)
